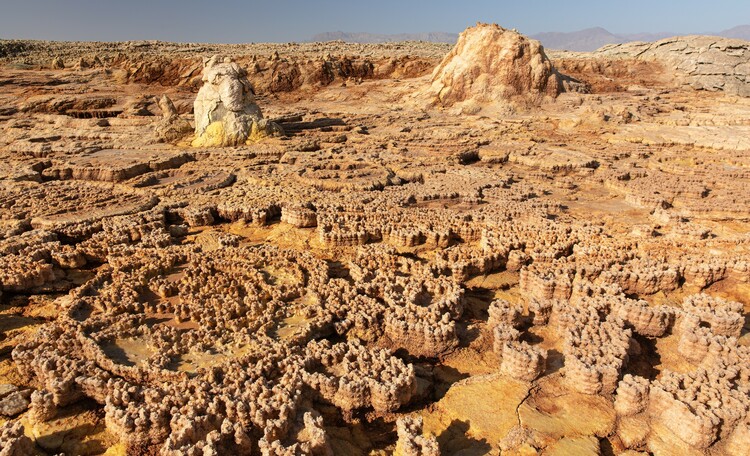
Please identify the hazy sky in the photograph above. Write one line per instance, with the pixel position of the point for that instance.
(236, 21)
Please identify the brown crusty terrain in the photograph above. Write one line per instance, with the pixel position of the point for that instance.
(563, 273)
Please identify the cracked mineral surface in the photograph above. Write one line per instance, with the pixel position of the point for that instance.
(342, 249)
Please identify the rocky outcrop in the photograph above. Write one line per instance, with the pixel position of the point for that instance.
(411, 442)
(225, 110)
(358, 378)
(595, 351)
(13, 440)
(298, 297)
(725, 318)
(57, 64)
(523, 361)
(632, 395)
(702, 62)
(540, 310)
(645, 320)
(503, 312)
(492, 64)
(300, 215)
(683, 403)
(43, 406)
(171, 127)
(313, 440)
(13, 400)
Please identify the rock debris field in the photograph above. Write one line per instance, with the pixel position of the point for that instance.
(400, 249)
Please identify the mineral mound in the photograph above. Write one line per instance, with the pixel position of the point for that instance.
(490, 63)
(225, 110)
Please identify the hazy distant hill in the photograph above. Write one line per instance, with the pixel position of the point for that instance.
(589, 39)
(434, 37)
(593, 38)
(741, 32)
(582, 40)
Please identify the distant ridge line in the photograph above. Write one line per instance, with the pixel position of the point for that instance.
(363, 37)
(585, 40)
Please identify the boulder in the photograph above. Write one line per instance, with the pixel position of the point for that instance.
(14, 403)
(58, 64)
(225, 110)
(13, 441)
(171, 127)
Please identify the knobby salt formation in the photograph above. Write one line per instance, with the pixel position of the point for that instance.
(225, 110)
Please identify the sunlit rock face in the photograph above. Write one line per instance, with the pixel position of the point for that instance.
(490, 63)
(225, 110)
(171, 127)
(709, 63)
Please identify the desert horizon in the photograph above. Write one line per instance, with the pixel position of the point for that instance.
(480, 247)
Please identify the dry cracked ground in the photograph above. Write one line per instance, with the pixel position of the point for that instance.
(538, 256)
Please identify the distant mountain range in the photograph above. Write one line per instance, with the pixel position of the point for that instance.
(582, 40)
(593, 38)
(741, 32)
(434, 37)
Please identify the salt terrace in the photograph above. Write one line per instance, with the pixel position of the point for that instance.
(367, 249)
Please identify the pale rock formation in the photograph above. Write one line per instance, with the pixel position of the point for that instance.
(703, 62)
(427, 336)
(546, 284)
(523, 361)
(43, 406)
(13, 441)
(491, 64)
(503, 312)
(360, 378)
(171, 127)
(198, 215)
(516, 260)
(645, 320)
(694, 340)
(632, 395)
(411, 442)
(300, 215)
(725, 318)
(643, 276)
(502, 334)
(13, 400)
(225, 110)
(313, 441)
(595, 351)
(631, 400)
(186, 431)
(315, 436)
(541, 309)
(698, 405)
(208, 341)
